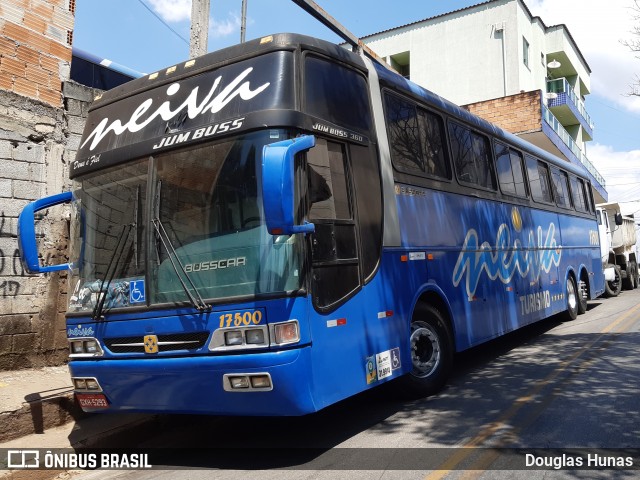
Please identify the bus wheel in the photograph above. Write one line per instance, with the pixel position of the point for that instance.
(582, 297)
(572, 299)
(431, 353)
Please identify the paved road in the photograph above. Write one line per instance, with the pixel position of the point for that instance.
(552, 385)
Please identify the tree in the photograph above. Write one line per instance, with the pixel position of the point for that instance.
(634, 44)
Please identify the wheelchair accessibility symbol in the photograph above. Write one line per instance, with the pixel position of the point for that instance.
(136, 291)
(395, 359)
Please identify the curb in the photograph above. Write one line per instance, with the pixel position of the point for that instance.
(39, 412)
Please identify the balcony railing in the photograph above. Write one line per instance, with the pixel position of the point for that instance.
(560, 85)
(570, 142)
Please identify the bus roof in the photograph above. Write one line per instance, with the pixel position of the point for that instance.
(292, 41)
(225, 56)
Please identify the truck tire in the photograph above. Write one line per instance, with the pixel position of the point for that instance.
(627, 279)
(612, 288)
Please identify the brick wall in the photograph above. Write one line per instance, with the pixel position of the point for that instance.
(35, 47)
(520, 113)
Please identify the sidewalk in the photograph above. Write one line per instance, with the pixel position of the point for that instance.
(37, 410)
(34, 400)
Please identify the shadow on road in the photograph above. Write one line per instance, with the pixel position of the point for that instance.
(602, 409)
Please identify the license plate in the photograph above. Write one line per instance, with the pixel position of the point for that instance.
(92, 400)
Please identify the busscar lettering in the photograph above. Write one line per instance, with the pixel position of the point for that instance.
(216, 264)
(143, 114)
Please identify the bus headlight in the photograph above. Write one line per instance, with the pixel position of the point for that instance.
(233, 337)
(77, 347)
(286, 332)
(91, 346)
(85, 347)
(86, 384)
(92, 384)
(80, 383)
(255, 336)
(239, 382)
(238, 338)
(247, 382)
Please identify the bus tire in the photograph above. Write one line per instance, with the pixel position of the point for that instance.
(571, 293)
(583, 288)
(612, 288)
(431, 349)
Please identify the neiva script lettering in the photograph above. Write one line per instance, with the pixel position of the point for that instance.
(141, 116)
(505, 259)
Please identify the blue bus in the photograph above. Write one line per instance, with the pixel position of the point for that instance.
(276, 226)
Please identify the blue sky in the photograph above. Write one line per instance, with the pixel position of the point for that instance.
(126, 32)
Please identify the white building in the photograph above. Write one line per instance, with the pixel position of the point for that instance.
(505, 65)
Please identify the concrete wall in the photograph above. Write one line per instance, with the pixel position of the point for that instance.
(460, 56)
(37, 144)
(476, 53)
(39, 133)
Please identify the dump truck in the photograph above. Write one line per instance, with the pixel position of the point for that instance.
(617, 235)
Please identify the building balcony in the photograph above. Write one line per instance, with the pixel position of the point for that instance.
(567, 106)
(526, 115)
(570, 149)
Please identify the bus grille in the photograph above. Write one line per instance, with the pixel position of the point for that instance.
(166, 343)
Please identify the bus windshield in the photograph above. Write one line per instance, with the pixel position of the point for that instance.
(208, 201)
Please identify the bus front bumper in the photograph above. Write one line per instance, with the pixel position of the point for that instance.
(202, 385)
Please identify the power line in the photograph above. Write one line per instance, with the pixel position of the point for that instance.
(626, 112)
(163, 22)
(621, 184)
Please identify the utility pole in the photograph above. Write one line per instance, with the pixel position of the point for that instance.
(243, 23)
(199, 27)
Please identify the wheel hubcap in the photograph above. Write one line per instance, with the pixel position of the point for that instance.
(425, 349)
(572, 299)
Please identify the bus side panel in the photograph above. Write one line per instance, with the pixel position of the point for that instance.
(500, 265)
(363, 342)
(580, 246)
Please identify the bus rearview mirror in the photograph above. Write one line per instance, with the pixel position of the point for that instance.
(27, 233)
(278, 185)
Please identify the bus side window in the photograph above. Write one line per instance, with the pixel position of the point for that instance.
(433, 144)
(591, 204)
(337, 94)
(510, 173)
(560, 188)
(416, 139)
(578, 193)
(471, 156)
(334, 247)
(328, 195)
(404, 135)
(539, 180)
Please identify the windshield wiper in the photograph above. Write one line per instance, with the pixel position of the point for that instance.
(196, 300)
(111, 272)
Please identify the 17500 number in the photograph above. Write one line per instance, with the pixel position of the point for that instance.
(237, 319)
